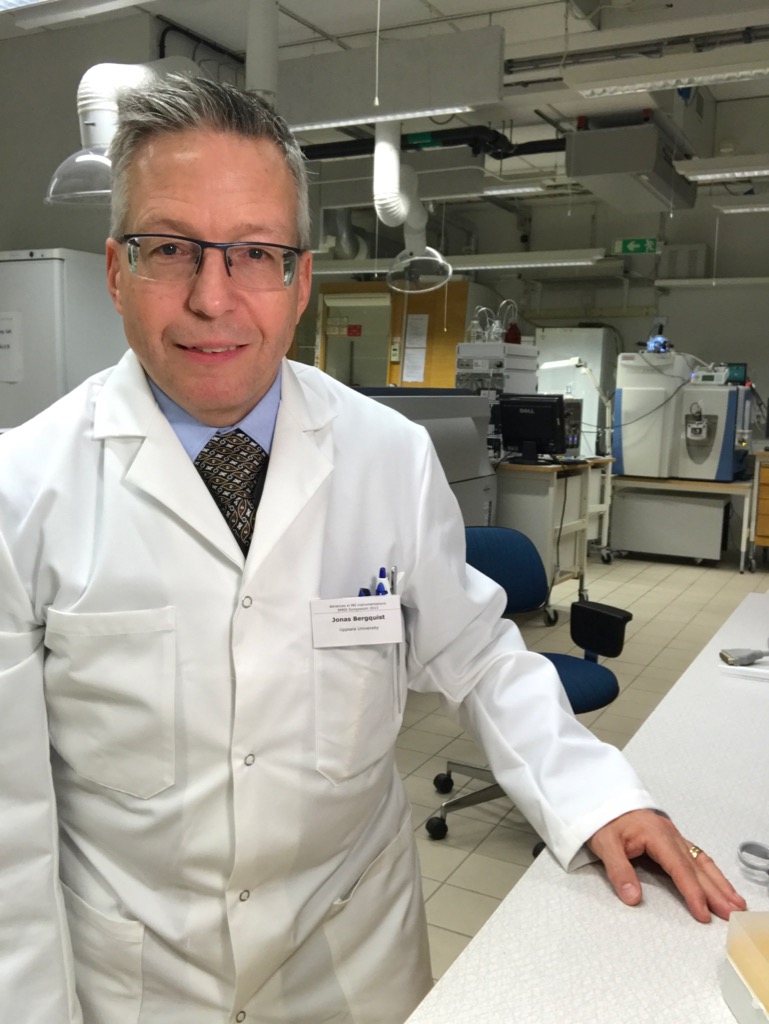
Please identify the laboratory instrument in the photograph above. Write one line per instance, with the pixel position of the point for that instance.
(458, 425)
(673, 419)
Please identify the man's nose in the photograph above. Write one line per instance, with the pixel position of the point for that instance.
(212, 291)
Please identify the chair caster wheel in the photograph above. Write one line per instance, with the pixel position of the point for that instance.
(437, 828)
(551, 616)
(538, 848)
(443, 782)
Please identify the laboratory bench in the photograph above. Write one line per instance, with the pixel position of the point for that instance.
(562, 947)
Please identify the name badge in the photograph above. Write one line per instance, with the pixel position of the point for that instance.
(349, 622)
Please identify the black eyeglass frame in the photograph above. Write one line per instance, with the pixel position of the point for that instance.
(222, 247)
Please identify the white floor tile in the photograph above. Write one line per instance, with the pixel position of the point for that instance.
(460, 910)
(487, 875)
(445, 947)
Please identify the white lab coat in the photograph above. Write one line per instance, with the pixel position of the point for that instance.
(233, 839)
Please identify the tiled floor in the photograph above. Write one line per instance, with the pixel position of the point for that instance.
(676, 609)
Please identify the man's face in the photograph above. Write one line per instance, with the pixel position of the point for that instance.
(212, 346)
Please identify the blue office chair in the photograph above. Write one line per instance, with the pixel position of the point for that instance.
(511, 560)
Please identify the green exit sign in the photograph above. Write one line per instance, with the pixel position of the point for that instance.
(635, 246)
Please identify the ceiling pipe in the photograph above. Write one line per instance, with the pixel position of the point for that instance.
(479, 138)
(348, 245)
(262, 49)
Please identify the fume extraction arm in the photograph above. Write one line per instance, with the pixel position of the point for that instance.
(86, 176)
(417, 267)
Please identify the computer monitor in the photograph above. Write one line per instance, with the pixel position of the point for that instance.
(532, 425)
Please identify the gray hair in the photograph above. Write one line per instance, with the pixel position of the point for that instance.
(178, 103)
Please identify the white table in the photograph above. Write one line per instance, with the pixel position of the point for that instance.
(562, 948)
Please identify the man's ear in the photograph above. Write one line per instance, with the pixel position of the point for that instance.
(114, 273)
(304, 275)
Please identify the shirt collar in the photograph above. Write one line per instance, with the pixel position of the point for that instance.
(259, 424)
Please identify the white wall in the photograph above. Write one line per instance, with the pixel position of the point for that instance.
(39, 126)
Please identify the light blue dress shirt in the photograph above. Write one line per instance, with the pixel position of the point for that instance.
(259, 424)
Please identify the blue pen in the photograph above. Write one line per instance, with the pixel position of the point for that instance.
(382, 586)
(364, 592)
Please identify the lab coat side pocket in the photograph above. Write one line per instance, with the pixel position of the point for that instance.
(358, 706)
(108, 962)
(377, 935)
(110, 687)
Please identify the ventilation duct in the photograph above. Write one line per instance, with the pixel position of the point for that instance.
(348, 244)
(395, 188)
(630, 168)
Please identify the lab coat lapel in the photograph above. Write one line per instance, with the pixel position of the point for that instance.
(156, 463)
(301, 459)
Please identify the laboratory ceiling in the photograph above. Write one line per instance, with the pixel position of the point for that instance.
(552, 53)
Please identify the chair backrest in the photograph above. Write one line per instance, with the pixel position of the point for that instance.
(510, 559)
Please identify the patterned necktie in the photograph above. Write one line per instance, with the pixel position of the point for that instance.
(229, 464)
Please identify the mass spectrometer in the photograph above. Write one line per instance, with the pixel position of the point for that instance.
(672, 420)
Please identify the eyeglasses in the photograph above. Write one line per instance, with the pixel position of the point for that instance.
(257, 266)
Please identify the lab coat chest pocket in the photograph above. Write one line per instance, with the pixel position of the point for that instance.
(358, 706)
(110, 694)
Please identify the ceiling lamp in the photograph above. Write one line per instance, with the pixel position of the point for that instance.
(724, 168)
(419, 272)
(86, 176)
(437, 75)
(736, 63)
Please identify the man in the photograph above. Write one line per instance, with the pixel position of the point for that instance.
(219, 832)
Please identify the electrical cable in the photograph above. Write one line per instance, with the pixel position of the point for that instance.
(557, 563)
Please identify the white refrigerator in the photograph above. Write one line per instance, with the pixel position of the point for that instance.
(57, 327)
(597, 347)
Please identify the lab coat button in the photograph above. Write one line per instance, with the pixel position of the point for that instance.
(241, 1016)
(243, 897)
(249, 759)
(247, 602)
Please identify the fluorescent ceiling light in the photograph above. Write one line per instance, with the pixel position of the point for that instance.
(736, 63)
(513, 190)
(485, 261)
(750, 208)
(426, 192)
(440, 74)
(724, 168)
(55, 12)
(14, 5)
(527, 260)
(400, 115)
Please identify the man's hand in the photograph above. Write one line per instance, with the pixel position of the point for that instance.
(699, 881)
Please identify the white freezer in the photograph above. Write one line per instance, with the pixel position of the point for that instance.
(58, 327)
